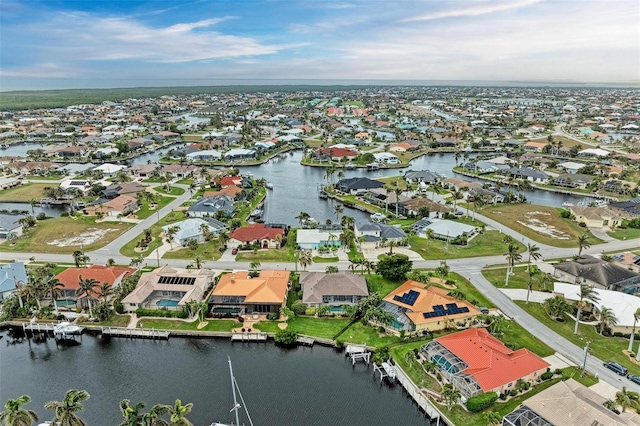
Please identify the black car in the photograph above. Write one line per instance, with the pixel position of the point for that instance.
(634, 379)
(614, 366)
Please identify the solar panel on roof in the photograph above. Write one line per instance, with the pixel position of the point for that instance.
(440, 311)
(408, 298)
(164, 279)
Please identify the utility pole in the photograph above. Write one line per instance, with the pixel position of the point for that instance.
(584, 362)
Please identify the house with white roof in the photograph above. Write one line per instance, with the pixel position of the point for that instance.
(194, 229)
(312, 239)
(205, 155)
(571, 166)
(386, 158)
(443, 229)
(10, 275)
(109, 169)
(593, 152)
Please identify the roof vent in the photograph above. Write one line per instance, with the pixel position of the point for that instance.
(233, 278)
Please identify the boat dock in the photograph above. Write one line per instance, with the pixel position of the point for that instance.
(358, 353)
(249, 337)
(306, 340)
(138, 333)
(385, 370)
(420, 398)
(60, 331)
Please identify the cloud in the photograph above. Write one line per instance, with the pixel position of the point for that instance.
(477, 8)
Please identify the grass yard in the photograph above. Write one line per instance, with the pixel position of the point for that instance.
(394, 182)
(129, 248)
(115, 321)
(546, 218)
(488, 243)
(209, 250)
(145, 211)
(40, 177)
(318, 259)
(271, 255)
(70, 234)
(24, 193)
(519, 279)
(367, 335)
(376, 283)
(318, 327)
(625, 234)
(176, 324)
(174, 190)
(413, 369)
(604, 348)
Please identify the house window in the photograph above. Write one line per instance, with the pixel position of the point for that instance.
(510, 384)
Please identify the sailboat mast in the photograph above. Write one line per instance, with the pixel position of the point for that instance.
(233, 389)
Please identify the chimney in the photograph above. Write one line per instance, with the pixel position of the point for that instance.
(233, 278)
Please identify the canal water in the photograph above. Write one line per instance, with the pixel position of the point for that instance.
(304, 386)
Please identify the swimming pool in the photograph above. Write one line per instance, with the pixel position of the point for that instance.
(167, 303)
(65, 302)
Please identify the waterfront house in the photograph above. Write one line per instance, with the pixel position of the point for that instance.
(11, 275)
(121, 205)
(314, 239)
(628, 260)
(142, 170)
(491, 197)
(10, 224)
(568, 403)
(461, 184)
(631, 207)
(108, 169)
(194, 229)
(70, 278)
(169, 288)
(357, 185)
(265, 237)
(415, 205)
(573, 180)
(386, 158)
(210, 206)
(475, 362)
(528, 174)
(335, 290)
(598, 216)
(178, 170)
(205, 155)
(598, 274)
(375, 233)
(240, 154)
(571, 166)
(334, 154)
(386, 198)
(70, 152)
(416, 308)
(239, 293)
(123, 188)
(443, 229)
(419, 176)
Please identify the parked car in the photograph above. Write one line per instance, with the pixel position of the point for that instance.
(617, 368)
(234, 250)
(634, 379)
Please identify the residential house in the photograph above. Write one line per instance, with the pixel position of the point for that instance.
(108, 169)
(571, 166)
(205, 155)
(528, 174)
(568, 403)
(334, 154)
(475, 362)
(10, 224)
(122, 205)
(487, 195)
(265, 237)
(628, 260)
(123, 188)
(372, 234)
(386, 198)
(240, 154)
(573, 180)
(11, 275)
(443, 229)
(313, 239)
(70, 278)
(71, 151)
(194, 229)
(239, 293)
(631, 207)
(460, 184)
(597, 273)
(142, 170)
(386, 158)
(598, 217)
(169, 288)
(357, 185)
(179, 171)
(416, 308)
(335, 290)
(535, 146)
(415, 205)
(419, 176)
(210, 206)
(593, 152)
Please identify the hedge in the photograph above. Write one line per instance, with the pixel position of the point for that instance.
(547, 375)
(161, 313)
(482, 401)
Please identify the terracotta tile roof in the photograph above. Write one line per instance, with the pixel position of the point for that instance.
(103, 274)
(268, 287)
(490, 362)
(339, 152)
(256, 231)
(231, 191)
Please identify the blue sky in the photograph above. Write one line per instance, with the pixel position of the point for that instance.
(60, 43)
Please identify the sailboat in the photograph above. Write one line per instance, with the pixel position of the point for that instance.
(236, 405)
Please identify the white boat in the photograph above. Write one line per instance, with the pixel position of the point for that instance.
(350, 166)
(567, 204)
(65, 328)
(268, 185)
(236, 405)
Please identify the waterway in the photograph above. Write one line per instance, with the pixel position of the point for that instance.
(304, 386)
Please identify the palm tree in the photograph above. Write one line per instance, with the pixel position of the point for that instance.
(556, 307)
(587, 294)
(450, 394)
(104, 291)
(583, 243)
(223, 237)
(347, 222)
(305, 259)
(338, 210)
(627, 399)
(532, 273)
(53, 287)
(15, 415)
(534, 253)
(154, 416)
(178, 413)
(512, 257)
(607, 318)
(636, 317)
(67, 409)
(86, 287)
(303, 217)
(171, 233)
(254, 266)
(132, 415)
(79, 258)
(493, 418)
(398, 192)
(347, 237)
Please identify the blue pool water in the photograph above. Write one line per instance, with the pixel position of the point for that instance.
(167, 302)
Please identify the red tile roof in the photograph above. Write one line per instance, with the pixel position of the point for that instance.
(256, 231)
(490, 362)
(339, 152)
(103, 274)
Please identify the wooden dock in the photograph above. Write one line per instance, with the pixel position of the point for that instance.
(423, 402)
(135, 333)
(306, 340)
(249, 337)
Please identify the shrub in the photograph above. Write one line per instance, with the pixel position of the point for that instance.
(503, 396)
(513, 392)
(41, 216)
(482, 401)
(547, 375)
(557, 371)
(582, 225)
(339, 344)
(565, 214)
(119, 307)
(64, 214)
(299, 308)
(272, 316)
(310, 311)
(323, 310)
(286, 338)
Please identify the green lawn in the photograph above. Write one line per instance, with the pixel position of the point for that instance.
(318, 327)
(48, 235)
(48, 177)
(376, 283)
(209, 250)
(145, 211)
(318, 259)
(364, 334)
(25, 193)
(512, 216)
(129, 248)
(488, 243)
(167, 324)
(115, 321)
(174, 190)
(413, 369)
(625, 234)
(604, 348)
(271, 255)
(519, 279)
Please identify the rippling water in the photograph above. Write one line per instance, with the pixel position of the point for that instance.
(304, 386)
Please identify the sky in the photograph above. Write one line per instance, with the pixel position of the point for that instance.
(68, 44)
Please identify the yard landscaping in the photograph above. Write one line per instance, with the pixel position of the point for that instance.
(209, 250)
(489, 243)
(324, 328)
(115, 321)
(272, 255)
(625, 234)
(145, 207)
(166, 324)
(604, 348)
(67, 234)
(24, 193)
(519, 279)
(129, 249)
(540, 223)
(173, 190)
